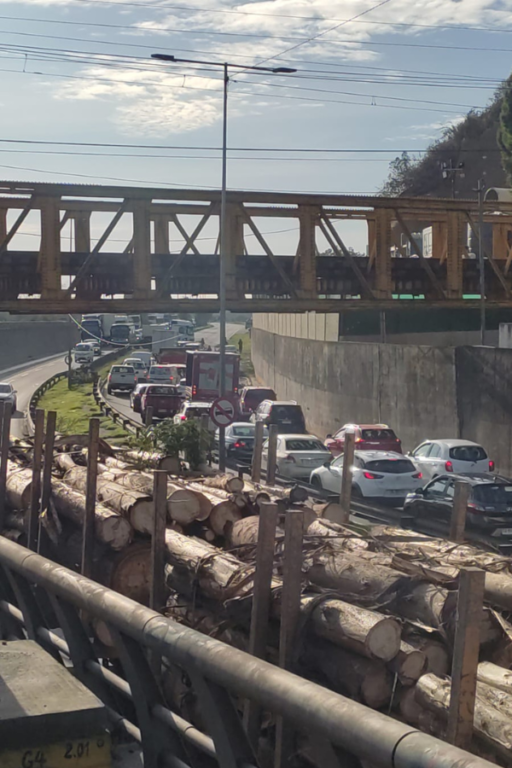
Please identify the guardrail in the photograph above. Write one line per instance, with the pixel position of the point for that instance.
(108, 410)
(334, 726)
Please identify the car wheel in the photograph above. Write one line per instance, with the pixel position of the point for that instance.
(316, 482)
(109, 390)
(14, 407)
(357, 492)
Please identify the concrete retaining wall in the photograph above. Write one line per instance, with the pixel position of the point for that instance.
(21, 342)
(422, 392)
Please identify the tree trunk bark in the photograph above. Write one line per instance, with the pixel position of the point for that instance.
(364, 679)
(409, 665)
(229, 483)
(222, 514)
(110, 527)
(137, 507)
(495, 676)
(365, 632)
(64, 461)
(491, 724)
(19, 486)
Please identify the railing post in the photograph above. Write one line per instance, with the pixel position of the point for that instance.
(272, 454)
(5, 431)
(256, 456)
(149, 416)
(51, 420)
(157, 585)
(290, 612)
(346, 477)
(261, 604)
(465, 656)
(459, 511)
(90, 498)
(35, 492)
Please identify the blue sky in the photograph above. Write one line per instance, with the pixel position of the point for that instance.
(96, 83)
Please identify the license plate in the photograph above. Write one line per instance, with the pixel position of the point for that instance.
(398, 492)
(80, 753)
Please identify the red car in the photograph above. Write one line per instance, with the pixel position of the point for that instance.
(369, 437)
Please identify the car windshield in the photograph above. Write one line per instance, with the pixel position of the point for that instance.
(391, 466)
(196, 411)
(82, 348)
(491, 494)
(254, 397)
(122, 369)
(378, 434)
(4, 388)
(305, 444)
(468, 453)
(286, 412)
(243, 431)
(161, 391)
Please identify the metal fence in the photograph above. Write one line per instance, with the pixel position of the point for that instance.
(37, 596)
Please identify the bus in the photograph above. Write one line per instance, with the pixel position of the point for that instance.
(184, 329)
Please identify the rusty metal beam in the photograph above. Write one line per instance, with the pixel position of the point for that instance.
(189, 240)
(17, 224)
(436, 285)
(341, 249)
(497, 271)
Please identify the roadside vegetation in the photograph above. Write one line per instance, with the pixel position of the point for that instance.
(77, 405)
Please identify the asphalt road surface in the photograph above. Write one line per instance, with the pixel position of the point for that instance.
(26, 379)
(211, 337)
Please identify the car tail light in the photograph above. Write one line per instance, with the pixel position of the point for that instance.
(290, 458)
(418, 475)
(492, 466)
(358, 440)
(109, 376)
(183, 418)
(372, 476)
(448, 466)
(194, 389)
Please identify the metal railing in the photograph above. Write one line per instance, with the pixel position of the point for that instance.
(37, 596)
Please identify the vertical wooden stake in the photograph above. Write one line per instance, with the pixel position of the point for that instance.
(205, 437)
(5, 431)
(69, 360)
(261, 604)
(149, 416)
(459, 510)
(90, 498)
(256, 456)
(272, 454)
(157, 585)
(465, 656)
(51, 420)
(290, 612)
(35, 491)
(346, 477)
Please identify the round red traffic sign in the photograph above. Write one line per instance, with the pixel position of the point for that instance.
(222, 412)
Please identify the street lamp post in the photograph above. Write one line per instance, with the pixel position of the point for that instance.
(222, 239)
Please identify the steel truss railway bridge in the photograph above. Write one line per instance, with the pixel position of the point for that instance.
(113, 248)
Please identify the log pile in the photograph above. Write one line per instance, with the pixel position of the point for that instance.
(378, 604)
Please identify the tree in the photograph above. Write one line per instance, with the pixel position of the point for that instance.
(505, 129)
(399, 173)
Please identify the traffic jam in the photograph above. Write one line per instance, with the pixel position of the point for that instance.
(182, 384)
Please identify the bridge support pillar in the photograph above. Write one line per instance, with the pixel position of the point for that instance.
(161, 224)
(141, 250)
(455, 246)
(234, 247)
(82, 231)
(49, 262)
(307, 251)
(379, 232)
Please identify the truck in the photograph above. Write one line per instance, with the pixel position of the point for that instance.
(172, 356)
(91, 327)
(122, 333)
(203, 372)
(162, 337)
(165, 400)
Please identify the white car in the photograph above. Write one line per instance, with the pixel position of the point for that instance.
(121, 377)
(160, 374)
(139, 367)
(83, 353)
(296, 455)
(383, 476)
(95, 346)
(8, 395)
(437, 457)
(194, 409)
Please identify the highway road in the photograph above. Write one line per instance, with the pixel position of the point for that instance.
(211, 337)
(26, 379)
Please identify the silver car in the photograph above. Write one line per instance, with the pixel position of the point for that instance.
(8, 395)
(437, 457)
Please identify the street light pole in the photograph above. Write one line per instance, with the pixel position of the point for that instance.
(222, 226)
(481, 263)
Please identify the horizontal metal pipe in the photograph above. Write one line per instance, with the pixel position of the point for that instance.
(362, 731)
(188, 731)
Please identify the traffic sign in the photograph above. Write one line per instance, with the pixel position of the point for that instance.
(222, 412)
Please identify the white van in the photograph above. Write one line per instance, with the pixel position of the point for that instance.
(83, 353)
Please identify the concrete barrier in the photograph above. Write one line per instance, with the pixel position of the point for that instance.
(420, 391)
(21, 342)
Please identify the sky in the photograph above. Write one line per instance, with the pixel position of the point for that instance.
(372, 77)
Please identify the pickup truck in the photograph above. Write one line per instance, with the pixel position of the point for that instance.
(163, 398)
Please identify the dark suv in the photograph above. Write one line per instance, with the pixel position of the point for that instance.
(489, 504)
(287, 414)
